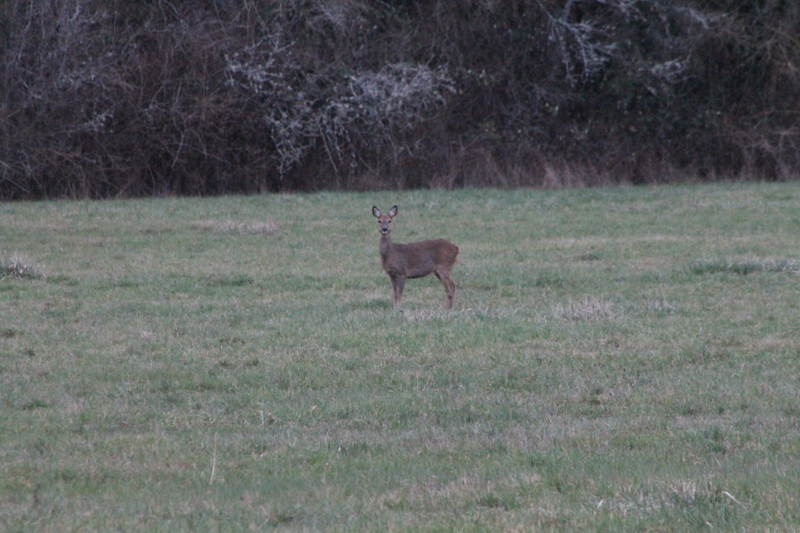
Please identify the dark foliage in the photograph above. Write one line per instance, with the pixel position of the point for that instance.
(107, 98)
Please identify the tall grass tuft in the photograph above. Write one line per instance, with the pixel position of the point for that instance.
(19, 267)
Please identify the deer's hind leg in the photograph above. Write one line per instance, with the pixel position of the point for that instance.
(449, 285)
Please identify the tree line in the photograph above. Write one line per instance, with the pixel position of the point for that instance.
(112, 98)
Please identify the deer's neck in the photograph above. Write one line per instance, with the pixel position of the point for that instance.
(386, 244)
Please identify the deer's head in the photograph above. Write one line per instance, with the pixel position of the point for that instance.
(384, 221)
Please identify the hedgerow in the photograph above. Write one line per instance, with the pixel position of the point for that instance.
(101, 98)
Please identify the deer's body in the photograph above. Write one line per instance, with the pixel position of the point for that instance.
(415, 259)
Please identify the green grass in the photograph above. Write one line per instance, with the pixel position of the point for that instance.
(621, 359)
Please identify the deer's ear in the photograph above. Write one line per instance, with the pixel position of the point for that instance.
(376, 212)
(393, 212)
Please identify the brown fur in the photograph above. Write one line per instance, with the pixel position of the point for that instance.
(415, 259)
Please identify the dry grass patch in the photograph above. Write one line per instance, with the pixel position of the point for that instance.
(589, 309)
(744, 266)
(424, 315)
(19, 267)
(231, 226)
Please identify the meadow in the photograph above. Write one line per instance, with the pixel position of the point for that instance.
(617, 359)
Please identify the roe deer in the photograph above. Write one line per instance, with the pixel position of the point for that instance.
(415, 259)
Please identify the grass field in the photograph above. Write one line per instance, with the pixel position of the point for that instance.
(618, 359)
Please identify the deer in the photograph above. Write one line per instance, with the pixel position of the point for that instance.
(414, 259)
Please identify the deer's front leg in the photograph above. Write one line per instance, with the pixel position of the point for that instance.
(398, 282)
